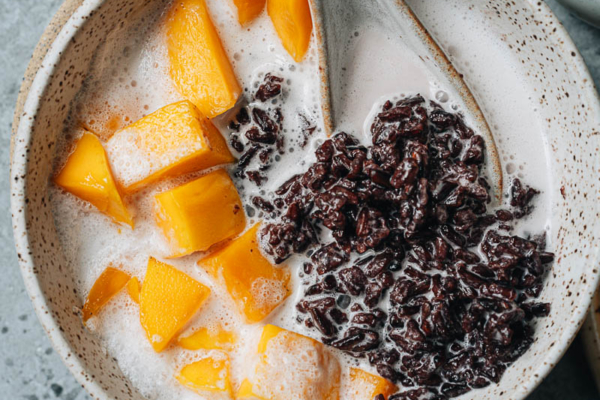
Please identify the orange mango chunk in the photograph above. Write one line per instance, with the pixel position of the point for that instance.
(210, 374)
(292, 366)
(133, 289)
(108, 284)
(87, 175)
(208, 339)
(293, 23)
(195, 216)
(245, 391)
(198, 63)
(256, 286)
(248, 9)
(364, 385)
(172, 141)
(168, 300)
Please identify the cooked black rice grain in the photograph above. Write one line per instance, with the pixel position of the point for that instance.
(424, 308)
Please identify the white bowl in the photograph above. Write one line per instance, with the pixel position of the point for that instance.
(518, 42)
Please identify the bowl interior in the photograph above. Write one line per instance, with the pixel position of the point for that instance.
(528, 79)
(537, 96)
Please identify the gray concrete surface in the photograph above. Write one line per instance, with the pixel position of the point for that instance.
(29, 368)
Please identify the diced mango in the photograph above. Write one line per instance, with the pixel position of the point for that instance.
(293, 23)
(245, 391)
(87, 175)
(200, 213)
(249, 9)
(208, 339)
(210, 374)
(108, 284)
(133, 289)
(172, 141)
(168, 300)
(269, 332)
(292, 366)
(199, 65)
(364, 385)
(256, 286)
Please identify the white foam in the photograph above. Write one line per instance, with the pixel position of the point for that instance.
(129, 78)
(304, 373)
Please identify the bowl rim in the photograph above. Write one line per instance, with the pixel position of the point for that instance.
(57, 36)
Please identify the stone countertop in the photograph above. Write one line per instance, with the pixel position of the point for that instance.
(29, 367)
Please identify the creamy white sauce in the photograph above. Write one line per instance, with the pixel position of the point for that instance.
(483, 56)
(130, 79)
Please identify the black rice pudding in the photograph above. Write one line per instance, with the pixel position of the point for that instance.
(405, 263)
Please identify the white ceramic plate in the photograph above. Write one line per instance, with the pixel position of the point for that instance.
(519, 63)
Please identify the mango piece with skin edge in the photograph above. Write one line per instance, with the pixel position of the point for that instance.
(174, 140)
(209, 374)
(256, 286)
(168, 300)
(248, 10)
(208, 339)
(133, 289)
(198, 64)
(87, 175)
(364, 385)
(291, 365)
(199, 214)
(109, 283)
(293, 22)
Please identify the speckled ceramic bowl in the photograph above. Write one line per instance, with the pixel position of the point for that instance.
(528, 50)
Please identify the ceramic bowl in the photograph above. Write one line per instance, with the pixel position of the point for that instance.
(555, 115)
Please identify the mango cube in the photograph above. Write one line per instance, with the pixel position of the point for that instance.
(248, 9)
(87, 175)
(245, 391)
(210, 374)
(199, 65)
(108, 284)
(133, 289)
(293, 23)
(169, 299)
(200, 213)
(364, 385)
(172, 141)
(208, 339)
(256, 286)
(292, 366)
